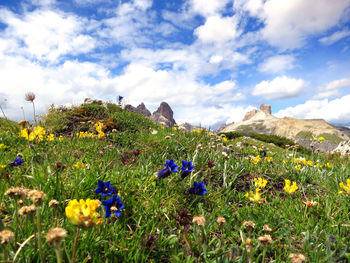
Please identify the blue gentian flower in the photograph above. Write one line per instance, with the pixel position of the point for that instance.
(113, 206)
(187, 168)
(198, 189)
(105, 188)
(18, 161)
(170, 167)
(263, 153)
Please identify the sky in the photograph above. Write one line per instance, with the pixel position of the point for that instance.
(210, 60)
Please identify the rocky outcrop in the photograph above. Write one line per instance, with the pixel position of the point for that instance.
(265, 108)
(343, 148)
(141, 109)
(221, 127)
(164, 115)
(250, 114)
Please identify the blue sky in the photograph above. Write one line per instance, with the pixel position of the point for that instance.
(210, 60)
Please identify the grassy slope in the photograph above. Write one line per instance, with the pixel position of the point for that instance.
(148, 229)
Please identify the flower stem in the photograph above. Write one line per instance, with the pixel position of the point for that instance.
(58, 251)
(75, 244)
(34, 113)
(39, 235)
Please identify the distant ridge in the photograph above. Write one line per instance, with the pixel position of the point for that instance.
(300, 130)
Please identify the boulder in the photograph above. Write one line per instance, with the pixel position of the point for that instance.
(343, 148)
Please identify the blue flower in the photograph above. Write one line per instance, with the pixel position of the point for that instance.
(105, 188)
(187, 168)
(18, 161)
(198, 189)
(263, 153)
(170, 167)
(113, 206)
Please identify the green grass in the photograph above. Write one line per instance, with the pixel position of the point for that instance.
(151, 227)
(307, 135)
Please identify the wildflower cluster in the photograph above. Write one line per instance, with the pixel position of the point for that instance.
(198, 188)
(114, 205)
(290, 188)
(346, 187)
(36, 134)
(259, 183)
(98, 127)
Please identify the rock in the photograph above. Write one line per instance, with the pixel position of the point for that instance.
(266, 108)
(92, 101)
(250, 114)
(164, 114)
(189, 127)
(343, 148)
(131, 108)
(143, 110)
(221, 127)
(160, 119)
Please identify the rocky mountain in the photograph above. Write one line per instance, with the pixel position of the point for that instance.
(300, 130)
(141, 109)
(164, 114)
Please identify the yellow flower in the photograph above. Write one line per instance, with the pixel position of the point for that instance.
(328, 165)
(85, 135)
(24, 133)
(345, 187)
(224, 139)
(99, 127)
(50, 137)
(60, 138)
(79, 165)
(101, 135)
(83, 213)
(256, 159)
(255, 197)
(260, 182)
(2, 146)
(268, 159)
(288, 188)
(298, 168)
(2, 166)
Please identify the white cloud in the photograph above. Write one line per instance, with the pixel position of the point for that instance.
(329, 40)
(276, 64)
(332, 88)
(210, 115)
(207, 8)
(288, 23)
(37, 34)
(334, 111)
(217, 29)
(279, 88)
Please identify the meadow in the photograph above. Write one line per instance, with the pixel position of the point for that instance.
(101, 184)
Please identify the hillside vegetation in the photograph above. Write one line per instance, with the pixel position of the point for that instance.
(247, 212)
